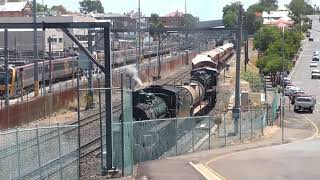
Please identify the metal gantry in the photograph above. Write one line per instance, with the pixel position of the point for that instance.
(106, 69)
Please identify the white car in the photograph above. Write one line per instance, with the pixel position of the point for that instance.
(313, 64)
(316, 53)
(315, 74)
(289, 89)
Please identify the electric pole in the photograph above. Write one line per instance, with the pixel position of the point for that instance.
(35, 50)
(50, 63)
(236, 109)
(6, 66)
(139, 35)
(90, 82)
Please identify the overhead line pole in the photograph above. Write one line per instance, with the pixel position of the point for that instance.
(236, 109)
(35, 49)
(139, 35)
(6, 66)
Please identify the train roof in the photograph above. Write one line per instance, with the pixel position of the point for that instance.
(226, 46)
(214, 52)
(201, 58)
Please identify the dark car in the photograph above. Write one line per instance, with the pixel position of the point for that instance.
(308, 34)
(295, 95)
(310, 39)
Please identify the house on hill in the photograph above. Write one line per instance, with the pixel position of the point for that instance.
(15, 9)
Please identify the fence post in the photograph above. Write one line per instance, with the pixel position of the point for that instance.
(251, 127)
(18, 151)
(192, 134)
(225, 130)
(60, 163)
(100, 122)
(240, 124)
(38, 146)
(209, 134)
(176, 129)
(262, 117)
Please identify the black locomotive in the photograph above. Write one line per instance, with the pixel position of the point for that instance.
(167, 101)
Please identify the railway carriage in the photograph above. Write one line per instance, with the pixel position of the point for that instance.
(22, 76)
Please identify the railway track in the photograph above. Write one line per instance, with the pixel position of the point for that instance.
(94, 145)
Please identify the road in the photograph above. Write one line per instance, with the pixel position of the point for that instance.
(299, 160)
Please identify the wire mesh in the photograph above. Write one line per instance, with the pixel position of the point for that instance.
(39, 153)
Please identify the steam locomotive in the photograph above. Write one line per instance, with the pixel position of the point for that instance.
(194, 98)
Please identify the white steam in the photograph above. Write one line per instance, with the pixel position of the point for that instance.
(133, 73)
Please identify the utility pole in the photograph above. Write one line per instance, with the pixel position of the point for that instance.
(236, 108)
(246, 51)
(282, 90)
(90, 83)
(185, 6)
(139, 34)
(6, 66)
(50, 63)
(35, 49)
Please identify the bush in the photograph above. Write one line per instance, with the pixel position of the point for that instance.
(253, 78)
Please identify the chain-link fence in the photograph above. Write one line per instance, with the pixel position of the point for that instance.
(40, 153)
(154, 139)
(275, 107)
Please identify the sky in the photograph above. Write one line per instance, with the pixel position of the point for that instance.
(204, 9)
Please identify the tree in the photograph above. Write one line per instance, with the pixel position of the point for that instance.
(230, 19)
(87, 6)
(60, 9)
(189, 20)
(156, 24)
(299, 7)
(265, 36)
(42, 8)
(230, 14)
(271, 4)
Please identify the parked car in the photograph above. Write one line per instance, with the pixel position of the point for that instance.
(310, 39)
(308, 34)
(316, 53)
(288, 89)
(305, 103)
(293, 92)
(315, 74)
(313, 64)
(315, 58)
(295, 95)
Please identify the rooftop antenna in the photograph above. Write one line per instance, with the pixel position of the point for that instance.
(185, 6)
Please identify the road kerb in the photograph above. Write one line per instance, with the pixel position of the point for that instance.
(316, 133)
(298, 60)
(207, 172)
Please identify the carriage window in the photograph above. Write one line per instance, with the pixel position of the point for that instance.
(2, 77)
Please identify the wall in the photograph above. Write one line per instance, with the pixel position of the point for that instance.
(40, 107)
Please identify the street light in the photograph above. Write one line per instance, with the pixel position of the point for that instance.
(282, 100)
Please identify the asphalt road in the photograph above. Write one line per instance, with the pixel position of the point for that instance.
(298, 160)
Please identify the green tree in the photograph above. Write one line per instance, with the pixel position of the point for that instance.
(189, 20)
(155, 25)
(42, 8)
(230, 19)
(87, 6)
(264, 37)
(270, 4)
(299, 7)
(60, 9)
(230, 14)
